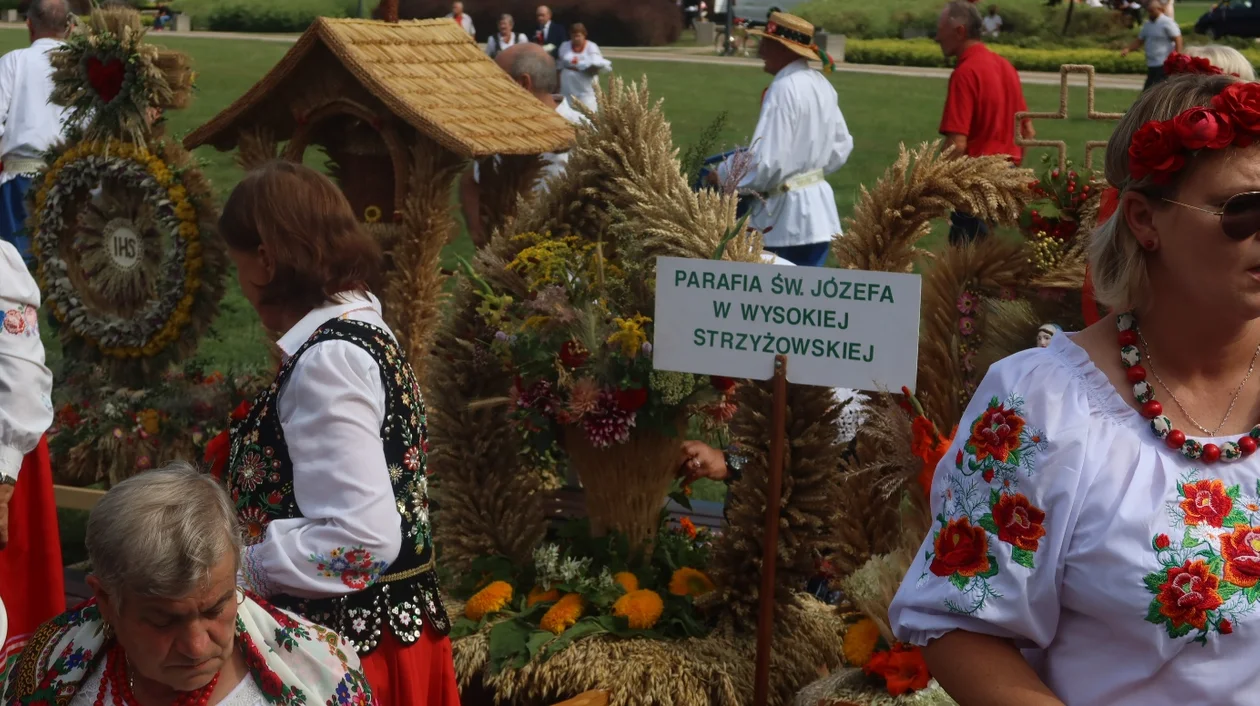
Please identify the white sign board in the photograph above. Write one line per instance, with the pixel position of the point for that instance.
(838, 328)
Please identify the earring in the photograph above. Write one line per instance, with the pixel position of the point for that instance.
(1148, 245)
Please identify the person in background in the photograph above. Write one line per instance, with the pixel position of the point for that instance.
(1228, 59)
(462, 19)
(504, 38)
(163, 18)
(549, 35)
(533, 68)
(31, 580)
(992, 23)
(328, 468)
(801, 137)
(580, 66)
(983, 97)
(31, 124)
(1161, 36)
(167, 624)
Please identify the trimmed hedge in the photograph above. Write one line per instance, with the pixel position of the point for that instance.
(614, 23)
(922, 52)
(279, 16)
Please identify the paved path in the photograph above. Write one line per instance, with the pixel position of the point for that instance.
(698, 55)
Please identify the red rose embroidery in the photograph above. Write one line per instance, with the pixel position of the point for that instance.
(996, 434)
(1241, 101)
(961, 549)
(14, 322)
(1206, 502)
(1019, 521)
(958, 459)
(1242, 556)
(1225, 627)
(271, 684)
(1188, 593)
(987, 475)
(1162, 541)
(1201, 127)
(1156, 151)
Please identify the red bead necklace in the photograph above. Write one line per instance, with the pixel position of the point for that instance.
(1161, 425)
(116, 681)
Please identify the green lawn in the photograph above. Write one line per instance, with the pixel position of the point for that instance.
(882, 111)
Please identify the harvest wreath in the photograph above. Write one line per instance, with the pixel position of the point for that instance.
(118, 231)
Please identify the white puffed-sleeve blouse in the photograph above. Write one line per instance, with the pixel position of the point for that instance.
(1127, 573)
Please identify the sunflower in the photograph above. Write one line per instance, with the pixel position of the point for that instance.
(642, 608)
(628, 581)
(563, 614)
(690, 582)
(860, 641)
(491, 599)
(538, 595)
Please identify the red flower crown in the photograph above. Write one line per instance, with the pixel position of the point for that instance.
(1178, 63)
(1160, 148)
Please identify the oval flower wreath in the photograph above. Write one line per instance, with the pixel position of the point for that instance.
(175, 302)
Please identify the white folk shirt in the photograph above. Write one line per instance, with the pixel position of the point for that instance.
(800, 130)
(32, 125)
(25, 383)
(246, 693)
(579, 72)
(1126, 572)
(554, 163)
(466, 22)
(496, 43)
(331, 411)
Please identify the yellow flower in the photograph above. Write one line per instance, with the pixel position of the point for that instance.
(149, 419)
(860, 641)
(563, 614)
(628, 581)
(187, 230)
(690, 582)
(538, 595)
(491, 599)
(642, 608)
(630, 335)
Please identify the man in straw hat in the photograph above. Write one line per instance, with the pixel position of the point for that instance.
(801, 137)
(31, 124)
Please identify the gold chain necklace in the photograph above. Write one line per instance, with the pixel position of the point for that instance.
(1150, 363)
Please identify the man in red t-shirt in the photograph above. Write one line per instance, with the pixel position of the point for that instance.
(984, 96)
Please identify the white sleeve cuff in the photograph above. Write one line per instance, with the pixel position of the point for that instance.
(10, 461)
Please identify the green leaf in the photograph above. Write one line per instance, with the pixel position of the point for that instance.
(1153, 615)
(993, 568)
(1179, 632)
(1155, 580)
(1235, 517)
(960, 582)
(994, 402)
(994, 497)
(1234, 491)
(1227, 591)
(508, 644)
(730, 235)
(1023, 557)
(537, 640)
(1215, 564)
(1252, 594)
(1189, 540)
(988, 524)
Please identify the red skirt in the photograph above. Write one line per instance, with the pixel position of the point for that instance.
(419, 674)
(32, 582)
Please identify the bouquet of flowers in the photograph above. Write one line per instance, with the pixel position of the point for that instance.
(102, 432)
(1060, 195)
(580, 347)
(585, 586)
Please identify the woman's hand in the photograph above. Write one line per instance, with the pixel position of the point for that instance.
(699, 460)
(982, 670)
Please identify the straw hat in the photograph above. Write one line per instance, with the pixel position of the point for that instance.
(792, 32)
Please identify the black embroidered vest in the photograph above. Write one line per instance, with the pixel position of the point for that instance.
(260, 480)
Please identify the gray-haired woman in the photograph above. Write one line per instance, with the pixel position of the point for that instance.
(505, 37)
(167, 624)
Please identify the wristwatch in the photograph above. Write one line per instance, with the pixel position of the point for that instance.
(734, 463)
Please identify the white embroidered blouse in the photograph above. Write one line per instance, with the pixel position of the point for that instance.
(25, 382)
(1127, 573)
(331, 410)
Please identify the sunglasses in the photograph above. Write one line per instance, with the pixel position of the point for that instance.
(1240, 216)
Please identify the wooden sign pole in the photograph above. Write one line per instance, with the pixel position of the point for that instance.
(770, 539)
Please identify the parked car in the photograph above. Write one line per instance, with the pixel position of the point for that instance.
(1230, 18)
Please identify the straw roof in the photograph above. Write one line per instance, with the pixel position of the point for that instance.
(430, 73)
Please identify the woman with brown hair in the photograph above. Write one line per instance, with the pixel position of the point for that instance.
(327, 470)
(1097, 523)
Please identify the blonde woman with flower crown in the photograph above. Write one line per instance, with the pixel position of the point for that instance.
(1097, 532)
